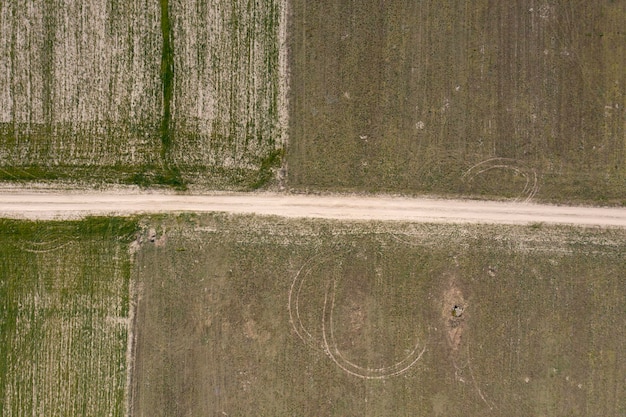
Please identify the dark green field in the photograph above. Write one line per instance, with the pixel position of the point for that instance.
(267, 317)
(513, 99)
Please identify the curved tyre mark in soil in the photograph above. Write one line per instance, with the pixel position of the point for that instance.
(328, 344)
(530, 175)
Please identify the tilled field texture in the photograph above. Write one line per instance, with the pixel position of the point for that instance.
(80, 83)
(64, 317)
(267, 316)
(518, 99)
(142, 91)
(226, 98)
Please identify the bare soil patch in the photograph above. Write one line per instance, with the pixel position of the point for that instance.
(454, 314)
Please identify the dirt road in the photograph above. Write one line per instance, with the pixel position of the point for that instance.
(56, 205)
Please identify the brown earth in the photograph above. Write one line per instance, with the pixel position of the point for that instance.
(510, 99)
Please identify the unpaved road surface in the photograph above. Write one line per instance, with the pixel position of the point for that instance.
(22, 204)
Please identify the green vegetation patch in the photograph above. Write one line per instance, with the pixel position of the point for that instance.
(241, 315)
(64, 316)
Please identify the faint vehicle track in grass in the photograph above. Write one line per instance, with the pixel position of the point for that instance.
(328, 343)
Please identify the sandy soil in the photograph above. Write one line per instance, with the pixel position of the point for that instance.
(52, 205)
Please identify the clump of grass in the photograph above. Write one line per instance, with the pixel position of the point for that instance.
(268, 164)
(151, 176)
(29, 173)
(123, 228)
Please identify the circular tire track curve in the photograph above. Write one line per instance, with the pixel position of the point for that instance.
(531, 185)
(328, 344)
